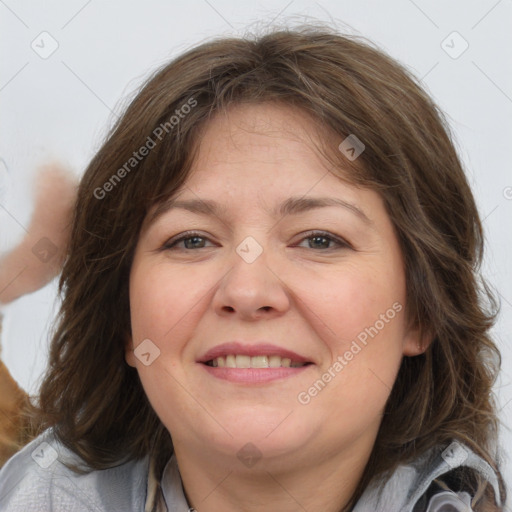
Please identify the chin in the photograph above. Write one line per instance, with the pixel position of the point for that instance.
(263, 436)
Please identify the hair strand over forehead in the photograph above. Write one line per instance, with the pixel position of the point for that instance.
(95, 400)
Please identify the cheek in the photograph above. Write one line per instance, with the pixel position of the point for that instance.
(159, 300)
(159, 313)
(356, 299)
(364, 326)
(147, 307)
(350, 391)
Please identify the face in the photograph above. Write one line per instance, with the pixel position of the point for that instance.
(268, 299)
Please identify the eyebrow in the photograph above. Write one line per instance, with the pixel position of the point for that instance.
(291, 206)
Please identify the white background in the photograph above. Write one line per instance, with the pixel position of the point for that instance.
(63, 105)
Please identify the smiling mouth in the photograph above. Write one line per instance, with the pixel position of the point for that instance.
(260, 361)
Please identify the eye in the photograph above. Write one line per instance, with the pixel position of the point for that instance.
(191, 239)
(322, 240)
(318, 240)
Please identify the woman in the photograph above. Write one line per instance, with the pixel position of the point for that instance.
(271, 299)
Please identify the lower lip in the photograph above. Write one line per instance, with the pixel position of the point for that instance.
(252, 375)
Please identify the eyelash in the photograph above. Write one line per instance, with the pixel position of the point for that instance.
(342, 244)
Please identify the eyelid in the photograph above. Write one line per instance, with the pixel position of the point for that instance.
(183, 236)
(341, 242)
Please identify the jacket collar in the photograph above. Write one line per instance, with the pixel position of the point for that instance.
(399, 493)
(408, 483)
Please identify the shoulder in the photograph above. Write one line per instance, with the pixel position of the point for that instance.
(38, 478)
(414, 487)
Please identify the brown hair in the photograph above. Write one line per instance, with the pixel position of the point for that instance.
(95, 401)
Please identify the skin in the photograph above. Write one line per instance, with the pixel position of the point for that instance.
(304, 294)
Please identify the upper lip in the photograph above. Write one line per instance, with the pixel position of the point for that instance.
(256, 349)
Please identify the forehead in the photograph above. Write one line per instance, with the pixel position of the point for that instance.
(264, 144)
(235, 189)
(267, 131)
(271, 152)
(262, 148)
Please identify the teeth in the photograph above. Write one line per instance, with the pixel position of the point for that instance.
(259, 362)
(275, 361)
(241, 361)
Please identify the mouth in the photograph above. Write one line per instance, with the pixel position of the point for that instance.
(252, 364)
(259, 361)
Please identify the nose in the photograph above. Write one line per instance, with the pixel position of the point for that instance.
(251, 290)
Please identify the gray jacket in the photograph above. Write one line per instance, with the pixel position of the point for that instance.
(37, 480)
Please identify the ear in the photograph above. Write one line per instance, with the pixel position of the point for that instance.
(129, 354)
(416, 341)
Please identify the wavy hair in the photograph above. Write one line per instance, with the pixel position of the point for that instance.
(95, 401)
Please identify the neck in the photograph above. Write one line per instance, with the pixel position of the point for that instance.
(215, 483)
